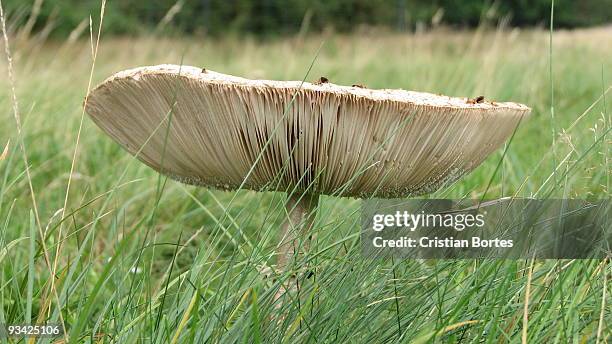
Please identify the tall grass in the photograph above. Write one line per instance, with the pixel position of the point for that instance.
(148, 259)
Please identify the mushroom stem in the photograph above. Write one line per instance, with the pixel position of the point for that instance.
(300, 218)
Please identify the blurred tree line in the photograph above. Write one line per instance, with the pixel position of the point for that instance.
(274, 17)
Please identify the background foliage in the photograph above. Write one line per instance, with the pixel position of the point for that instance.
(274, 17)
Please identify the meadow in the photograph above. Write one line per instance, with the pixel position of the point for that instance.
(139, 258)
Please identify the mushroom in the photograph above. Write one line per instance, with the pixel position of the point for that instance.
(307, 139)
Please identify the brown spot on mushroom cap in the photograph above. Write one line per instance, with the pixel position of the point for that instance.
(477, 100)
(336, 140)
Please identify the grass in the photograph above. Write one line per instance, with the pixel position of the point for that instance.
(145, 259)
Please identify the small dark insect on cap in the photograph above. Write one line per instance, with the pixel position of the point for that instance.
(322, 80)
(479, 99)
(203, 70)
(359, 85)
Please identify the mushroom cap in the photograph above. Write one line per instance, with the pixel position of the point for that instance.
(229, 132)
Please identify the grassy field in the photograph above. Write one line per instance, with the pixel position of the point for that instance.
(138, 258)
